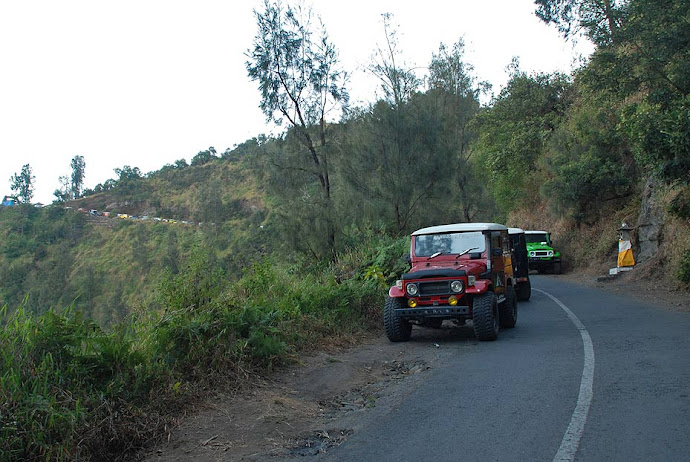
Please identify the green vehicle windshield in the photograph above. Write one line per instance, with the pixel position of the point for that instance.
(537, 238)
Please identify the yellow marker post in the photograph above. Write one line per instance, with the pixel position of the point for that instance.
(626, 261)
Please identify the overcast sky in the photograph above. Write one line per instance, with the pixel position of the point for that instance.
(146, 82)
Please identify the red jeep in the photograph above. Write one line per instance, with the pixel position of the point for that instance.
(459, 272)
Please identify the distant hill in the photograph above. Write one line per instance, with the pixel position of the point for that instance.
(107, 266)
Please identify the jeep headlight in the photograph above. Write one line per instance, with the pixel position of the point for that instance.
(457, 286)
(532, 253)
(549, 253)
(412, 289)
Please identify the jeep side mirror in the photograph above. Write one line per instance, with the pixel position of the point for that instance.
(407, 258)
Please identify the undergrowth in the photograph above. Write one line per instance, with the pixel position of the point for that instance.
(70, 390)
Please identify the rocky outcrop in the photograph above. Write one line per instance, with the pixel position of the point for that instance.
(650, 223)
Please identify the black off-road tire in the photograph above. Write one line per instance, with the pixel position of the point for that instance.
(485, 316)
(508, 310)
(556, 268)
(524, 291)
(397, 329)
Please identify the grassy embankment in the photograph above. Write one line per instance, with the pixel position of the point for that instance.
(71, 390)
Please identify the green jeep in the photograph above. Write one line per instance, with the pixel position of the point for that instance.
(542, 256)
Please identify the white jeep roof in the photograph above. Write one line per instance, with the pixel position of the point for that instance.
(460, 228)
(516, 231)
(535, 232)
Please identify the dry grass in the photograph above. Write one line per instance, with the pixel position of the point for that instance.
(593, 248)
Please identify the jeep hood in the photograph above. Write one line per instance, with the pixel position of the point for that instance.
(436, 269)
(535, 246)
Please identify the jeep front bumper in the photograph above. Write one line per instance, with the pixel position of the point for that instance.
(433, 311)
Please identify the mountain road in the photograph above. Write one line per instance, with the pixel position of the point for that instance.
(585, 375)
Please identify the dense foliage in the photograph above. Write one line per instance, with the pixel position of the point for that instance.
(71, 390)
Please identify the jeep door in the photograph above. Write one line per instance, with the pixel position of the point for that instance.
(496, 252)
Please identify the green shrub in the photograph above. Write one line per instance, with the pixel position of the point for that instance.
(195, 285)
(58, 373)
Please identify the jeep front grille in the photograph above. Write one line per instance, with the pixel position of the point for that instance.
(434, 288)
(541, 253)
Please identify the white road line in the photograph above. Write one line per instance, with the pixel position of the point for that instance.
(571, 439)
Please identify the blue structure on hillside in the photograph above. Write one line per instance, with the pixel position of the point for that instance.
(9, 200)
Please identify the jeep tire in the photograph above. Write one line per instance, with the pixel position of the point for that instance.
(508, 310)
(397, 329)
(524, 291)
(556, 267)
(485, 316)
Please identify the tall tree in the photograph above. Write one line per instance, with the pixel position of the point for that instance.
(588, 166)
(394, 165)
(449, 71)
(301, 84)
(23, 184)
(398, 80)
(63, 193)
(597, 19)
(513, 134)
(78, 173)
(456, 91)
(652, 63)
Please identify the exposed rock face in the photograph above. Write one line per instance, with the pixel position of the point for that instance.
(650, 223)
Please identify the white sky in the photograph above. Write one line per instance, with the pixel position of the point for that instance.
(146, 82)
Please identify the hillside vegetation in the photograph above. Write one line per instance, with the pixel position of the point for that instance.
(282, 243)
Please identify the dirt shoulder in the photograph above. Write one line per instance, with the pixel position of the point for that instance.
(309, 406)
(317, 402)
(641, 283)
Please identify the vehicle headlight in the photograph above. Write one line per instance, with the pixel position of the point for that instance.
(411, 302)
(532, 254)
(470, 280)
(550, 253)
(412, 289)
(457, 286)
(452, 300)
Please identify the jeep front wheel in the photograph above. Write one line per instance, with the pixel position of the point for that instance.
(485, 316)
(397, 329)
(508, 311)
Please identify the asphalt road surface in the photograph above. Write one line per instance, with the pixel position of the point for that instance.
(584, 375)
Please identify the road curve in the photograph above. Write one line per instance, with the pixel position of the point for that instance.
(522, 398)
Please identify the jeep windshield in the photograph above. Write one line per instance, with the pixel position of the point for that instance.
(427, 245)
(536, 238)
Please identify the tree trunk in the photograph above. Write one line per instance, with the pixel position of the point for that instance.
(610, 18)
